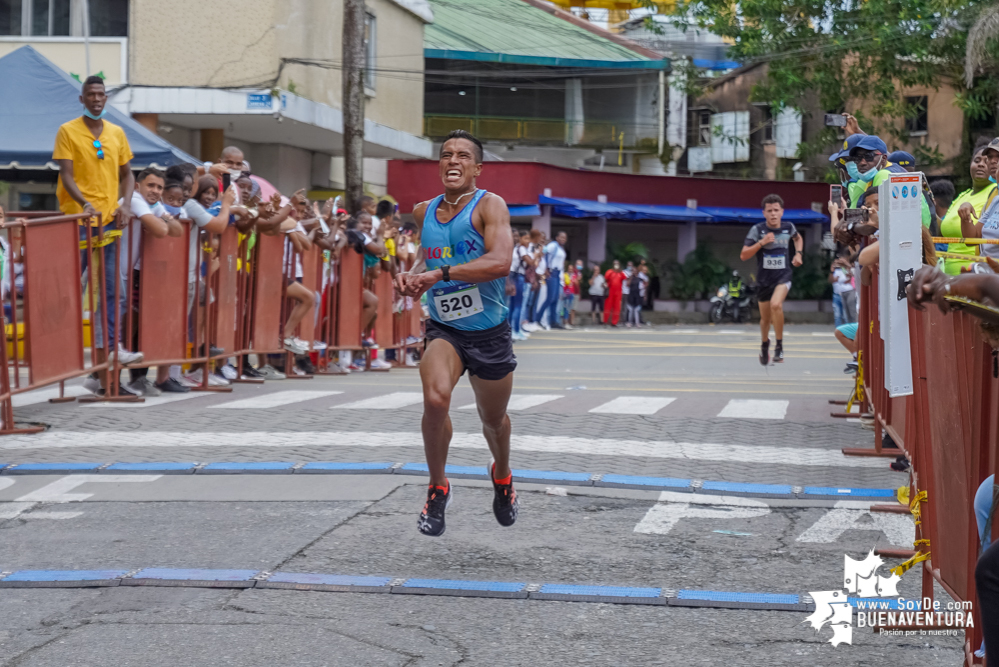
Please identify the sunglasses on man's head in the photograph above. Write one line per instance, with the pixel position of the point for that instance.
(100, 151)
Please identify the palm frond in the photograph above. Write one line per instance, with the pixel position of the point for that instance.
(985, 28)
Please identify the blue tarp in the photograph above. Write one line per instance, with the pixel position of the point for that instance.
(522, 210)
(36, 97)
(585, 208)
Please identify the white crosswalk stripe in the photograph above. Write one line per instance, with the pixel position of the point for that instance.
(399, 399)
(741, 408)
(275, 399)
(154, 401)
(523, 401)
(633, 405)
(42, 395)
(659, 449)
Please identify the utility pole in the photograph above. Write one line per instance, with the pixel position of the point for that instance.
(353, 102)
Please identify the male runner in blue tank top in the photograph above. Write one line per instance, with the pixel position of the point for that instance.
(465, 257)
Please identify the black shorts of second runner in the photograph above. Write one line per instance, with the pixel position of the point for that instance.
(766, 293)
(487, 354)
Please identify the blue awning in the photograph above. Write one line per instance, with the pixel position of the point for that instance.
(524, 210)
(585, 208)
(754, 215)
(36, 97)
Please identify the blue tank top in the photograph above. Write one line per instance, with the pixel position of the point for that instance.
(466, 306)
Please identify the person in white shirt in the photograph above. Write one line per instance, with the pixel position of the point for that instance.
(598, 290)
(148, 217)
(844, 294)
(522, 261)
(555, 260)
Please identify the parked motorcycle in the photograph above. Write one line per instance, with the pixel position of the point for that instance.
(734, 301)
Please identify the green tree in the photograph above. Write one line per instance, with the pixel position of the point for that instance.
(858, 52)
(699, 275)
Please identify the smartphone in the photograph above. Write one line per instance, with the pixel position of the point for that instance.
(226, 179)
(836, 195)
(835, 120)
(856, 215)
(337, 204)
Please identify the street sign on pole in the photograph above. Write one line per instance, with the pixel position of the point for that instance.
(900, 251)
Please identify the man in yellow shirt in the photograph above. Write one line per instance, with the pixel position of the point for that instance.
(94, 175)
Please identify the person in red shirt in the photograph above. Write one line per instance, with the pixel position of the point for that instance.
(615, 280)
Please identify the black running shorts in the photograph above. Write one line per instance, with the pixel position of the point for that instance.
(766, 293)
(487, 354)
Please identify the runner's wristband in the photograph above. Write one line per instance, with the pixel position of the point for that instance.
(446, 272)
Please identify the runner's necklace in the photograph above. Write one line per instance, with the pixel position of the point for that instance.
(455, 202)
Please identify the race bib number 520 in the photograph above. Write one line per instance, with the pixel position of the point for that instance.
(457, 301)
(773, 261)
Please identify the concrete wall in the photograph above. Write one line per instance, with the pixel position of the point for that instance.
(107, 54)
(242, 45)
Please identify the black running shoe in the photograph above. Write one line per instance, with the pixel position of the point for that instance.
(765, 353)
(432, 517)
(779, 353)
(251, 372)
(505, 502)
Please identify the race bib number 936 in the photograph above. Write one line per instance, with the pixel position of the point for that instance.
(457, 302)
(773, 261)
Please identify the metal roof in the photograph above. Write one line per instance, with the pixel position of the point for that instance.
(513, 31)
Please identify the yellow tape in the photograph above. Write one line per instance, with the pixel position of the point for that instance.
(907, 565)
(902, 494)
(955, 255)
(96, 241)
(921, 543)
(954, 239)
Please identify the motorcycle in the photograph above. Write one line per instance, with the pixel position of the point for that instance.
(726, 305)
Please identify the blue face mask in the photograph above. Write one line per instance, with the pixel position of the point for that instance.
(851, 169)
(172, 210)
(867, 176)
(992, 179)
(86, 112)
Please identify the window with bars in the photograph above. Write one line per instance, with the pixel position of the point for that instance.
(63, 18)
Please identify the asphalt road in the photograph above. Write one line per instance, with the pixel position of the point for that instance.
(585, 405)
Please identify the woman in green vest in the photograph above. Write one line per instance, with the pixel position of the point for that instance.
(981, 189)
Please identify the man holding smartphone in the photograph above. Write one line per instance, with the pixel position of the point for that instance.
(770, 243)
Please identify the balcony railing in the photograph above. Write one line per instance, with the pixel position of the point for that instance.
(546, 131)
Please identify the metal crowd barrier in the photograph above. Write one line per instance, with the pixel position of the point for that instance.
(238, 304)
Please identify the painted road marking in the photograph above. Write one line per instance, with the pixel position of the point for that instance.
(399, 399)
(633, 405)
(58, 491)
(43, 395)
(664, 515)
(823, 334)
(523, 401)
(743, 408)
(662, 449)
(846, 515)
(153, 401)
(14, 510)
(276, 399)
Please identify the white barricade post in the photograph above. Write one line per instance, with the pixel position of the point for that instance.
(900, 247)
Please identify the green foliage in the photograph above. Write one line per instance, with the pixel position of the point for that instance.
(698, 276)
(811, 279)
(628, 252)
(861, 53)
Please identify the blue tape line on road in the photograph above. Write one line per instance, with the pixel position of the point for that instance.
(154, 466)
(552, 475)
(55, 467)
(194, 575)
(327, 579)
(724, 596)
(333, 465)
(739, 487)
(606, 591)
(65, 575)
(848, 492)
(448, 469)
(465, 585)
(250, 466)
(671, 482)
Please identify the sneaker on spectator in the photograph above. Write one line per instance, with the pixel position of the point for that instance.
(410, 360)
(546, 327)
(268, 372)
(304, 364)
(125, 357)
(319, 345)
(356, 367)
(92, 384)
(412, 340)
(143, 387)
(173, 386)
(519, 336)
(295, 346)
(229, 372)
(529, 327)
(369, 343)
(186, 382)
(251, 373)
(216, 379)
(380, 364)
